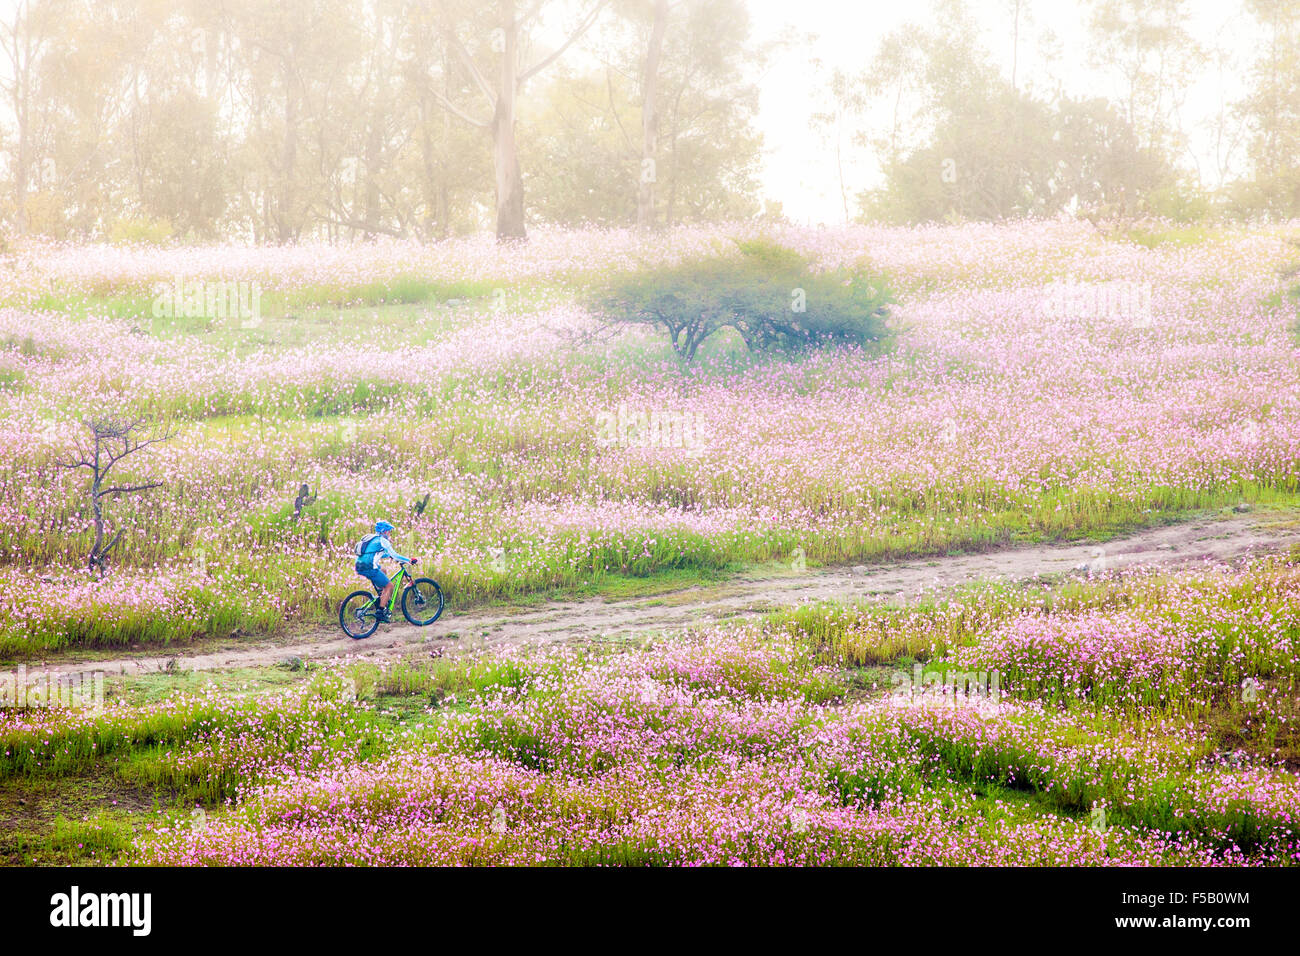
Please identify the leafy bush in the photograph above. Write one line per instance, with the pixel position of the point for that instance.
(769, 294)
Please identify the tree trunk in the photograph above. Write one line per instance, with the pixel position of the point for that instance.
(429, 227)
(98, 509)
(672, 183)
(23, 55)
(374, 162)
(285, 217)
(645, 194)
(22, 174)
(444, 190)
(375, 141)
(505, 156)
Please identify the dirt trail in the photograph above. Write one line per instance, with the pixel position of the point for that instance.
(1208, 539)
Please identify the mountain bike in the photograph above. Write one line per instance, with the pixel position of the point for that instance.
(421, 600)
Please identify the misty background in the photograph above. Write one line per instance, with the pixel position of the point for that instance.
(197, 120)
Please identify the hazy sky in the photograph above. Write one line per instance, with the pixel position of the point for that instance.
(799, 168)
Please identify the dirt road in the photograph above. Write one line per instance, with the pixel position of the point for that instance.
(1215, 539)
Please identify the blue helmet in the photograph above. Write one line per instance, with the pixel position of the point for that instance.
(382, 527)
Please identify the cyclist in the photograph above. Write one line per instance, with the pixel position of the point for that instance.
(369, 551)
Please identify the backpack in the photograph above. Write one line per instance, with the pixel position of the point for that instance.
(361, 545)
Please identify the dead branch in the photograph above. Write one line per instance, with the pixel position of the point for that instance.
(304, 499)
(112, 440)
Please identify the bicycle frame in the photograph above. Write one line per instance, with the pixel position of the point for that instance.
(403, 575)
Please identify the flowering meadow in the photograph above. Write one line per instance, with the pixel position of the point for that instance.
(744, 743)
(1046, 382)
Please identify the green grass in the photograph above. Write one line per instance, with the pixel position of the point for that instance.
(101, 835)
(435, 682)
(143, 689)
(127, 302)
(1190, 235)
(399, 289)
(78, 819)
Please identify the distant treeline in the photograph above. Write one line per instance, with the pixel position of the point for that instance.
(965, 139)
(148, 119)
(338, 119)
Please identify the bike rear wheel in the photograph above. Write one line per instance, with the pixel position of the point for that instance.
(359, 615)
(422, 602)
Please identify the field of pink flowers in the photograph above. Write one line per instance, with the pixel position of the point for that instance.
(1046, 382)
(741, 744)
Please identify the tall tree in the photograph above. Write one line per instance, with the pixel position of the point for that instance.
(25, 36)
(847, 103)
(586, 132)
(1148, 44)
(1272, 111)
(506, 39)
(650, 80)
(294, 62)
(965, 142)
(451, 164)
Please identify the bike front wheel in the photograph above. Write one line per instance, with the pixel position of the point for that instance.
(422, 602)
(358, 615)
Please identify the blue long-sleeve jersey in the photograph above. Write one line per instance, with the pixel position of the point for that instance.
(378, 547)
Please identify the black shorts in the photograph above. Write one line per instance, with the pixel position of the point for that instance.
(372, 574)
